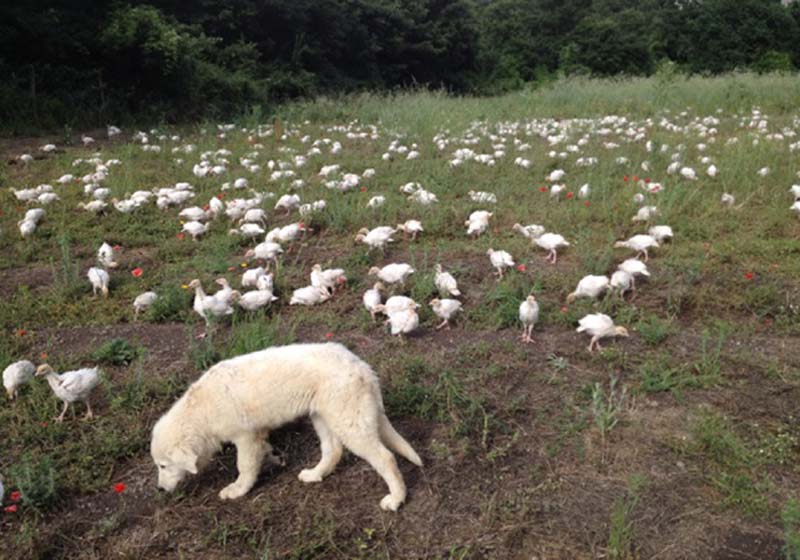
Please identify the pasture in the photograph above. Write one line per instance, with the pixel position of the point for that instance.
(681, 440)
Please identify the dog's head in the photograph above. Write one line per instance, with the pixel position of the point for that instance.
(172, 454)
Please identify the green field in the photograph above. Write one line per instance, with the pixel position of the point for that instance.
(681, 441)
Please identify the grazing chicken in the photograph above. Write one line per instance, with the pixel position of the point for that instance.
(621, 282)
(99, 280)
(531, 231)
(635, 268)
(194, 214)
(287, 233)
(266, 251)
(661, 233)
(16, 375)
(599, 325)
(105, 256)
(500, 261)
(394, 273)
(445, 282)
(645, 213)
(71, 386)
(589, 287)
(26, 228)
(195, 229)
(478, 222)
(528, 316)
(411, 227)
(397, 303)
(551, 242)
(372, 299)
(445, 309)
(310, 295)
(728, 199)
(288, 202)
(142, 302)
(639, 243)
(796, 207)
(255, 215)
(376, 238)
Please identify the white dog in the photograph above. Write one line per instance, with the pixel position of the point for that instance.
(240, 400)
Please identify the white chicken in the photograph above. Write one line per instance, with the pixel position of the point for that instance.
(309, 295)
(551, 243)
(16, 375)
(195, 229)
(394, 273)
(445, 309)
(590, 286)
(256, 299)
(71, 386)
(599, 326)
(208, 306)
(621, 281)
(105, 256)
(411, 227)
(445, 282)
(531, 231)
(639, 243)
(99, 279)
(329, 279)
(478, 222)
(376, 238)
(142, 302)
(372, 299)
(500, 261)
(267, 251)
(661, 233)
(528, 316)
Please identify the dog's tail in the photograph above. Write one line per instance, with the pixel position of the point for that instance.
(395, 441)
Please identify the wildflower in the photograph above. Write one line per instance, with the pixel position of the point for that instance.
(329, 335)
(231, 268)
(119, 487)
(625, 178)
(363, 189)
(749, 275)
(635, 177)
(220, 196)
(10, 509)
(180, 235)
(44, 424)
(21, 332)
(521, 267)
(43, 355)
(564, 309)
(586, 203)
(15, 496)
(137, 272)
(570, 194)
(542, 189)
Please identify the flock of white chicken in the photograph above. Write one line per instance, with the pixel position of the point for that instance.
(244, 207)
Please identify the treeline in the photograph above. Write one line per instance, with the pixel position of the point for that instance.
(86, 62)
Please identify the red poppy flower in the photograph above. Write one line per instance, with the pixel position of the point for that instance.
(625, 178)
(363, 189)
(749, 275)
(329, 335)
(635, 177)
(564, 309)
(302, 225)
(220, 196)
(119, 487)
(21, 332)
(137, 272)
(15, 496)
(521, 267)
(10, 509)
(542, 189)
(180, 235)
(570, 194)
(43, 355)
(44, 424)
(230, 268)
(647, 180)
(586, 203)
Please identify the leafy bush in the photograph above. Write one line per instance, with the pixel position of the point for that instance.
(116, 352)
(37, 480)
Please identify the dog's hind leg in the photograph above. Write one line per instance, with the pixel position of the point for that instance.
(369, 447)
(250, 451)
(331, 452)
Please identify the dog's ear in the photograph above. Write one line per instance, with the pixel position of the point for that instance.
(186, 460)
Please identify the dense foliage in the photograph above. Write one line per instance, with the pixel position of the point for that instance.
(89, 62)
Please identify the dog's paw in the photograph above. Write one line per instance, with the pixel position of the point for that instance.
(390, 503)
(309, 475)
(232, 492)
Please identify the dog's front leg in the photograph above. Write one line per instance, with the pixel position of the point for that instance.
(250, 451)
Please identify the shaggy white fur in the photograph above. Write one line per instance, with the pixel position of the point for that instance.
(240, 400)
